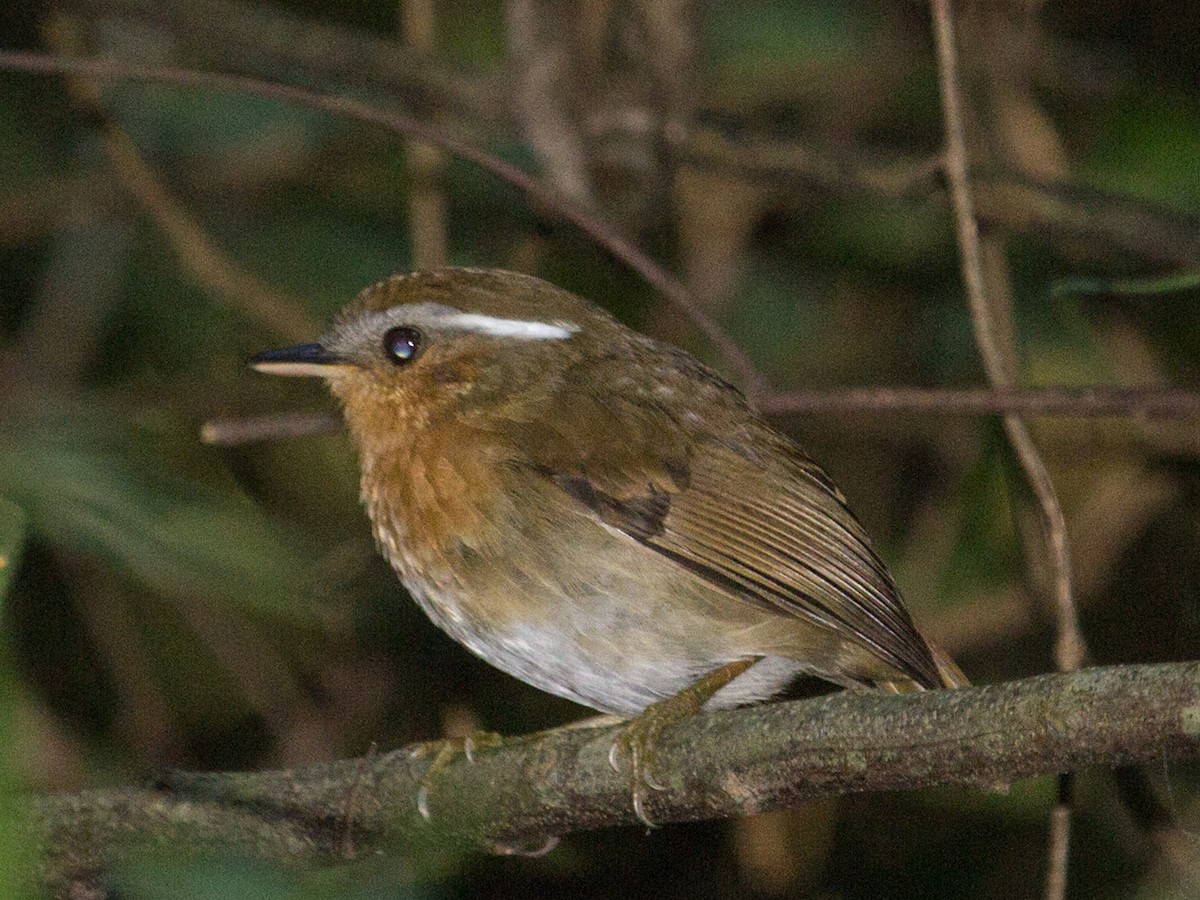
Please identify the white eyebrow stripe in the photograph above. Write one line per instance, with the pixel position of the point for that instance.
(518, 328)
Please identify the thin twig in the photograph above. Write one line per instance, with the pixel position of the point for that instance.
(600, 231)
(224, 279)
(233, 432)
(1005, 200)
(1058, 857)
(966, 225)
(1050, 401)
(213, 270)
(426, 202)
(1070, 648)
(1092, 400)
(1118, 509)
(258, 39)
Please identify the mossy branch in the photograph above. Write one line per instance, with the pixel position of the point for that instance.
(713, 766)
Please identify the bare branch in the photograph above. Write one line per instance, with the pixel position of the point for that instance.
(232, 432)
(1048, 401)
(269, 41)
(1000, 364)
(426, 202)
(591, 224)
(715, 765)
(1096, 400)
(1058, 857)
(224, 279)
(265, 41)
(1071, 648)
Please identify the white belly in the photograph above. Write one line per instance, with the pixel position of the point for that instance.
(601, 664)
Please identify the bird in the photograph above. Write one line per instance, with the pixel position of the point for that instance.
(598, 513)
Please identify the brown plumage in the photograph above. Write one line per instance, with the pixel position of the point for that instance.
(595, 512)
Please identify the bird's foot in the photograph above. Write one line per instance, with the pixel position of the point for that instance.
(637, 742)
(444, 752)
(638, 739)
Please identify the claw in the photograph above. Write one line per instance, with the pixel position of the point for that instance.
(639, 809)
(526, 850)
(614, 755)
(443, 753)
(653, 783)
(638, 745)
(639, 736)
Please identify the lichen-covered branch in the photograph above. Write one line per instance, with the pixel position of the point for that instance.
(715, 765)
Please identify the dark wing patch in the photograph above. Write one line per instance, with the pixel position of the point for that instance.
(640, 517)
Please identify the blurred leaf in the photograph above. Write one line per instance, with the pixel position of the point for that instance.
(151, 876)
(12, 862)
(1149, 148)
(1167, 284)
(211, 123)
(12, 541)
(779, 320)
(985, 550)
(110, 489)
(483, 44)
(24, 155)
(880, 237)
(777, 34)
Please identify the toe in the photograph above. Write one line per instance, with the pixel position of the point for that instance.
(614, 755)
(639, 806)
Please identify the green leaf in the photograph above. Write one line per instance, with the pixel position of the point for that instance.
(156, 507)
(1125, 287)
(13, 862)
(985, 551)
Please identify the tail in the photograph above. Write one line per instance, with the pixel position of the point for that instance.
(952, 676)
(948, 671)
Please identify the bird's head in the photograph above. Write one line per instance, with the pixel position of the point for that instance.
(459, 344)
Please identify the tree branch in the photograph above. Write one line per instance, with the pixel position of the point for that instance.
(265, 40)
(1052, 400)
(269, 42)
(269, 427)
(715, 765)
(592, 224)
(1152, 402)
(993, 336)
(1004, 200)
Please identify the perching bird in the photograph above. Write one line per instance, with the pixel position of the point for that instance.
(598, 513)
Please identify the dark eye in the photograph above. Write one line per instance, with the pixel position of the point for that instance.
(401, 344)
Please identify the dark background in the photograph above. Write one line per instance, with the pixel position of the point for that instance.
(182, 605)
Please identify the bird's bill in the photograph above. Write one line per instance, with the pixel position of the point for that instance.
(303, 360)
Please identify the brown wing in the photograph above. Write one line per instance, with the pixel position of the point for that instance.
(746, 510)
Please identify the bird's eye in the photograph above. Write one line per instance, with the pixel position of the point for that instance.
(400, 344)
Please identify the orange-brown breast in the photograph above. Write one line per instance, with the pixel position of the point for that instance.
(434, 496)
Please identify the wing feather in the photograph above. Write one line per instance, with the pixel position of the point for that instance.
(746, 510)
(803, 555)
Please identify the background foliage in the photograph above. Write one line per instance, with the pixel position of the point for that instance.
(168, 603)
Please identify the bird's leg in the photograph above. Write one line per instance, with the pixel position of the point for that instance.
(443, 753)
(637, 739)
